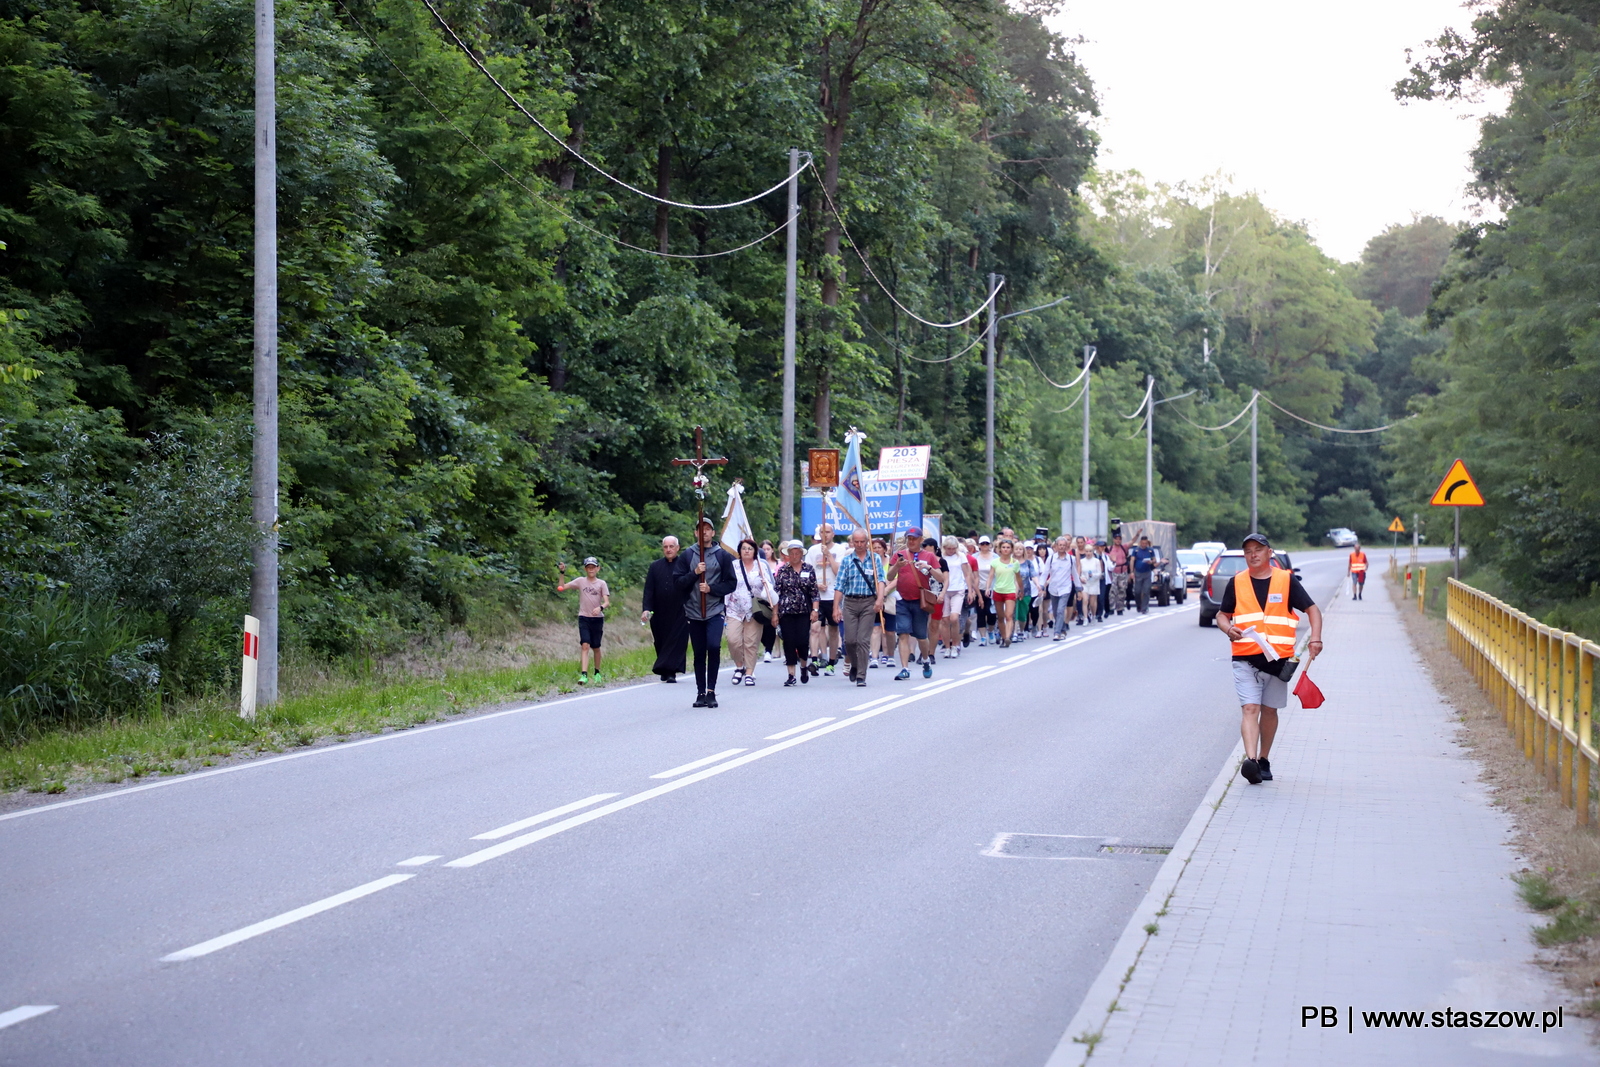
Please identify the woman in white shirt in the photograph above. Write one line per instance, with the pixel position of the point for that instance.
(752, 581)
(986, 618)
(957, 582)
(1093, 568)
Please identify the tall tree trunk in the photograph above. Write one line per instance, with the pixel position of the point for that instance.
(836, 115)
(664, 190)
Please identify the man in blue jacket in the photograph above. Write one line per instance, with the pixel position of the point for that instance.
(705, 575)
(1143, 561)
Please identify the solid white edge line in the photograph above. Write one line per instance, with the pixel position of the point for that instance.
(543, 816)
(24, 1013)
(472, 859)
(345, 746)
(418, 861)
(696, 764)
(802, 728)
(244, 933)
(1101, 1000)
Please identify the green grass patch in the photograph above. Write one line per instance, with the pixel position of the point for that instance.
(199, 732)
(1537, 892)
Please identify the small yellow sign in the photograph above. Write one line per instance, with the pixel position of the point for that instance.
(1397, 526)
(1458, 490)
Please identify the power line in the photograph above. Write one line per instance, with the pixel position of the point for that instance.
(585, 160)
(1041, 307)
(1330, 429)
(1087, 364)
(834, 208)
(524, 186)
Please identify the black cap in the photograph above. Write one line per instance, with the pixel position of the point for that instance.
(1257, 536)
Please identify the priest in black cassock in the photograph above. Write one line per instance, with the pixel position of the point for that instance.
(663, 609)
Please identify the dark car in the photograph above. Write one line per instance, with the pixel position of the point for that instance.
(1223, 568)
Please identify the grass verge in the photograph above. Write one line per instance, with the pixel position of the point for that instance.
(208, 731)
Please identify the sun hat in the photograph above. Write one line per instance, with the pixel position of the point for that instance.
(787, 545)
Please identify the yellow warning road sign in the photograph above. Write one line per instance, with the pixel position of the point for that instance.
(1397, 526)
(1458, 490)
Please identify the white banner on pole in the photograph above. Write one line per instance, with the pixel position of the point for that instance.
(247, 670)
(904, 462)
(735, 524)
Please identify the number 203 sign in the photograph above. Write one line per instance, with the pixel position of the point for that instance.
(902, 462)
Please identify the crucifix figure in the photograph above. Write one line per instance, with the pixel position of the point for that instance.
(701, 481)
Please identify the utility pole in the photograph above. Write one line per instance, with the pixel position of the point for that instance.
(1088, 354)
(1254, 467)
(786, 482)
(264, 451)
(1149, 446)
(988, 424)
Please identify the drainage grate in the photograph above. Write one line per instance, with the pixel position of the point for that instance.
(1066, 847)
(1137, 850)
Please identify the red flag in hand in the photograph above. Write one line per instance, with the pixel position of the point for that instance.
(1310, 696)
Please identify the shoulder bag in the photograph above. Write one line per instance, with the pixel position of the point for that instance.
(760, 607)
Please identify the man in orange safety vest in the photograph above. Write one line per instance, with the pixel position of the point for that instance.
(1358, 572)
(1266, 599)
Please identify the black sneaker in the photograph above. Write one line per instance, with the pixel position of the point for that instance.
(700, 701)
(805, 674)
(861, 683)
(789, 680)
(1266, 769)
(1251, 769)
(711, 698)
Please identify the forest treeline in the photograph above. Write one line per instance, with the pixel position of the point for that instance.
(489, 350)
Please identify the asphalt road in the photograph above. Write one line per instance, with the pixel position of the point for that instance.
(834, 888)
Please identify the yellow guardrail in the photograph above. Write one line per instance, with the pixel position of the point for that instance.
(1543, 681)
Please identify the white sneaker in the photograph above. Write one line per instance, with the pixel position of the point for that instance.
(767, 658)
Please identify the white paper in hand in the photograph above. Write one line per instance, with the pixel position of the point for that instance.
(1262, 642)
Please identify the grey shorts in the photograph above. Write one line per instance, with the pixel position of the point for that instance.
(1255, 687)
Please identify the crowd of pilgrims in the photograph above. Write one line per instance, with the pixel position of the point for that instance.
(871, 602)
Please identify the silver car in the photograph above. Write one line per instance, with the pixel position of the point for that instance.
(1343, 537)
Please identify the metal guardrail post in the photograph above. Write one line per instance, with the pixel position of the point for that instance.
(1586, 746)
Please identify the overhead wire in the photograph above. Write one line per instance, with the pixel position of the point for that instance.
(1087, 364)
(1330, 429)
(535, 193)
(585, 160)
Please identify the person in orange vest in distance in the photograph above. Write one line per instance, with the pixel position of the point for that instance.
(1358, 572)
(1268, 599)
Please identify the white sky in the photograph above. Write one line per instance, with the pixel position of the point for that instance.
(1291, 100)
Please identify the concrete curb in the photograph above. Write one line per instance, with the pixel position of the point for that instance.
(1101, 1000)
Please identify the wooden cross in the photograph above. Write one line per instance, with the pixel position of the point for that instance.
(699, 463)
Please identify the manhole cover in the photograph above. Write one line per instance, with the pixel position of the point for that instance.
(1066, 847)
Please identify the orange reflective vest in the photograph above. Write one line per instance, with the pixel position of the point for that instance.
(1275, 620)
(1358, 562)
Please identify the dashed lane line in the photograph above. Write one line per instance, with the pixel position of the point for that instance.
(23, 1014)
(245, 933)
(696, 764)
(802, 728)
(544, 816)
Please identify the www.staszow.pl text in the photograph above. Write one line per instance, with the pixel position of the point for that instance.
(1329, 1016)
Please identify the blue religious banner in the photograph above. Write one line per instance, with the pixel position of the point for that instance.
(892, 507)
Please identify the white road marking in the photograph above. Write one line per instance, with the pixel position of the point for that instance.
(696, 764)
(418, 861)
(23, 1014)
(975, 670)
(205, 948)
(928, 685)
(544, 816)
(802, 728)
(869, 704)
(1013, 659)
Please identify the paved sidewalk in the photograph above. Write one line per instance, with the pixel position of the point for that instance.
(1373, 874)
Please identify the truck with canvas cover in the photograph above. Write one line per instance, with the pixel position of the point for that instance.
(1168, 584)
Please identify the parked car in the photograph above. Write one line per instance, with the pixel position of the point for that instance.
(1212, 549)
(1216, 580)
(1195, 563)
(1343, 537)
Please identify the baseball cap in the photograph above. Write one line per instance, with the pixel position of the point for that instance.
(985, 540)
(787, 545)
(590, 561)
(914, 531)
(1255, 537)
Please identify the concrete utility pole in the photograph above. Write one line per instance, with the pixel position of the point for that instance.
(1088, 354)
(786, 482)
(1254, 467)
(1149, 447)
(264, 453)
(988, 424)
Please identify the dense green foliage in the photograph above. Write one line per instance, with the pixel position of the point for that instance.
(1520, 391)
(487, 360)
